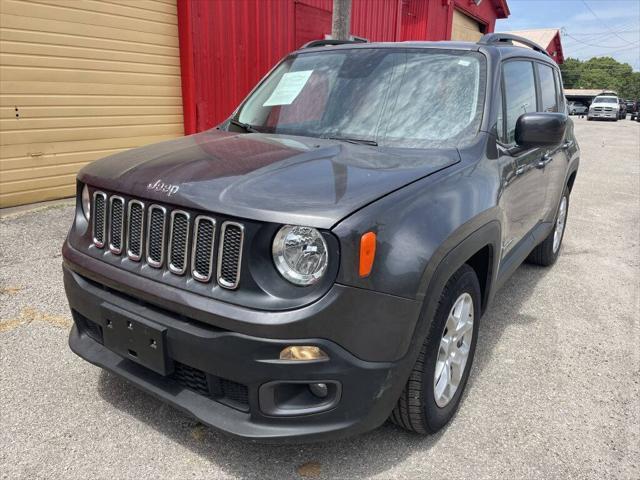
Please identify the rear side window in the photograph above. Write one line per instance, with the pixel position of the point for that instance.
(520, 94)
(548, 94)
(561, 99)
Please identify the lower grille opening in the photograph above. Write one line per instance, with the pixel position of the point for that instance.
(191, 378)
(225, 391)
(87, 327)
(234, 392)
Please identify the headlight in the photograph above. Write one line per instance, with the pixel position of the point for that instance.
(86, 202)
(300, 254)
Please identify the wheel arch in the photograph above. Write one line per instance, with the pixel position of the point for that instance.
(481, 251)
(571, 180)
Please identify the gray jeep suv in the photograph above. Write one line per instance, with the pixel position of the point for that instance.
(320, 262)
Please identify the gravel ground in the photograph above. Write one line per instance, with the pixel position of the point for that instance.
(554, 391)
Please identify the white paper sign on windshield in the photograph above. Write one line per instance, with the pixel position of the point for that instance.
(289, 87)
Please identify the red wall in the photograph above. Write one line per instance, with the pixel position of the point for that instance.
(555, 49)
(226, 46)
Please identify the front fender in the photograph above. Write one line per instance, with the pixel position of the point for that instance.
(417, 226)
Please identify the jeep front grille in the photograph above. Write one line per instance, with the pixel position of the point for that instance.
(116, 223)
(135, 227)
(154, 233)
(204, 233)
(178, 241)
(230, 255)
(99, 218)
(155, 236)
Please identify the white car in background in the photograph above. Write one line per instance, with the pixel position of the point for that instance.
(605, 106)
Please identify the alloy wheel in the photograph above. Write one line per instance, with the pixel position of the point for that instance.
(453, 352)
(560, 222)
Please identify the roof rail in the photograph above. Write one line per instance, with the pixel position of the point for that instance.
(497, 38)
(327, 42)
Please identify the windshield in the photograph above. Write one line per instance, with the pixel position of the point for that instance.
(393, 97)
(605, 100)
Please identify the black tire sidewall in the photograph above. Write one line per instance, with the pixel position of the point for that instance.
(435, 416)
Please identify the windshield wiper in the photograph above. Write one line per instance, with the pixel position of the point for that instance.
(246, 126)
(359, 141)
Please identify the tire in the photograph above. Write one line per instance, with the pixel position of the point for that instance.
(417, 409)
(544, 254)
(589, 119)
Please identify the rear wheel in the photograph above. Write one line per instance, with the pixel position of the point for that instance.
(548, 251)
(434, 389)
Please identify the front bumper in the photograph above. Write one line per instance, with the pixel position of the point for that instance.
(612, 114)
(247, 366)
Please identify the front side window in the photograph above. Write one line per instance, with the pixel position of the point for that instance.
(395, 97)
(548, 94)
(520, 94)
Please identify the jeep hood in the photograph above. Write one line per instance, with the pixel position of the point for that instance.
(276, 178)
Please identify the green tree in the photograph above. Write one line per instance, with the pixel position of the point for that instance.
(631, 87)
(571, 70)
(601, 73)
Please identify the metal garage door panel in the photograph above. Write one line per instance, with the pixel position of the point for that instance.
(465, 28)
(82, 79)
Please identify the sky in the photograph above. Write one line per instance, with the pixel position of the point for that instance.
(590, 28)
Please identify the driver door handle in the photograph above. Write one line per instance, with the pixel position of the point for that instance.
(546, 158)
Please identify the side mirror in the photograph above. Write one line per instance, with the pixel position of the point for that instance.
(540, 129)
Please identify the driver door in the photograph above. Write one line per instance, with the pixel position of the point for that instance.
(523, 181)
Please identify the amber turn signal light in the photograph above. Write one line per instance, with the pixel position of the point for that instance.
(367, 253)
(302, 352)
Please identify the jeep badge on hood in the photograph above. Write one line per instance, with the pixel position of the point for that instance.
(160, 186)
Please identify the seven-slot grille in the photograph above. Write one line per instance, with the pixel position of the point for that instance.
(155, 234)
(135, 227)
(204, 233)
(116, 223)
(99, 218)
(178, 241)
(230, 254)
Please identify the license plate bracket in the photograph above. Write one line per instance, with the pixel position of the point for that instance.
(136, 338)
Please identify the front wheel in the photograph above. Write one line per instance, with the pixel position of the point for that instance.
(434, 389)
(548, 251)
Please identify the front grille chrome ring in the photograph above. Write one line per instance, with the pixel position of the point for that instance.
(152, 262)
(194, 249)
(113, 248)
(97, 242)
(221, 281)
(130, 253)
(178, 269)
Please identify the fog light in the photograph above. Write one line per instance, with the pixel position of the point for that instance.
(304, 352)
(320, 390)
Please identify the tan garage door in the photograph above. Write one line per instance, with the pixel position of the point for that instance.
(465, 28)
(79, 80)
